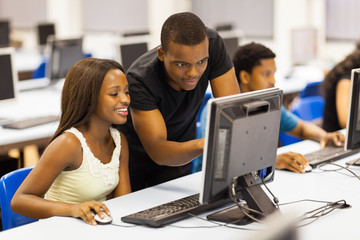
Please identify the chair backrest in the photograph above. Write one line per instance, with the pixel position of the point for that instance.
(311, 89)
(9, 183)
(308, 108)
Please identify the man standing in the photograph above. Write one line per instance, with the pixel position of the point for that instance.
(167, 86)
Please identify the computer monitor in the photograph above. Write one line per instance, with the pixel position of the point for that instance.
(129, 52)
(63, 53)
(8, 75)
(4, 33)
(241, 140)
(352, 140)
(8, 82)
(45, 30)
(231, 44)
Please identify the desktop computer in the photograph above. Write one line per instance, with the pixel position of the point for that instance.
(239, 156)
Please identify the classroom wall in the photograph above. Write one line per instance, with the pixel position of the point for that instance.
(287, 16)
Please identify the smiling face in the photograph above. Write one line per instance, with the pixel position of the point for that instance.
(184, 65)
(261, 77)
(114, 98)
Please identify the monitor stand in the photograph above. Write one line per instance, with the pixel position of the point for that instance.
(255, 198)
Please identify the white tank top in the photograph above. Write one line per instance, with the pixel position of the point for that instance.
(93, 180)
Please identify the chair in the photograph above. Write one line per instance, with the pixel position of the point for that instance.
(39, 72)
(197, 162)
(311, 89)
(307, 109)
(9, 183)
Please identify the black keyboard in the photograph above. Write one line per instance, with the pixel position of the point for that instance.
(31, 122)
(170, 212)
(328, 154)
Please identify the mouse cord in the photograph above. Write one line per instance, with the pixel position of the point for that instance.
(334, 164)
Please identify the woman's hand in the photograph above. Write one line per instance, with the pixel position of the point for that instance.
(86, 211)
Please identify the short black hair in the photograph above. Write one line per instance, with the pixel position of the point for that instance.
(183, 28)
(248, 56)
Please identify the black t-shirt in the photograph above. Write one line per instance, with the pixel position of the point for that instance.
(149, 90)
(330, 119)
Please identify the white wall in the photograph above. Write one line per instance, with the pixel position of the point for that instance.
(288, 15)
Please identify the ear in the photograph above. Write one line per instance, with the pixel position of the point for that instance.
(160, 53)
(244, 77)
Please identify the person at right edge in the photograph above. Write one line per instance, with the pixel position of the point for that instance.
(336, 91)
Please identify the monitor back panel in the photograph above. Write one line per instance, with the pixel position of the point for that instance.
(130, 52)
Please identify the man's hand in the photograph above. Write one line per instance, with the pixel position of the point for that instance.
(294, 162)
(336, 137)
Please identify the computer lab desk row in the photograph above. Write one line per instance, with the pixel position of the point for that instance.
(287, 187)
(32, 103)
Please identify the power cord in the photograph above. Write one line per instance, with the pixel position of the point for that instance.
(340, 167)
(322, 211)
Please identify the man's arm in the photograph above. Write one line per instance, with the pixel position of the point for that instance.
(151, 129)
(225, 85)
(308, 130)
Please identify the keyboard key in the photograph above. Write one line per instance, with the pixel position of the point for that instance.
(171, 211)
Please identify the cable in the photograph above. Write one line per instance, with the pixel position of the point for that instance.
(241, 207)
(322, 211)
(275, 199)
(334, 170)
(125, 226)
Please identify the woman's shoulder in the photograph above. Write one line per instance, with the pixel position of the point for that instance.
(67, 140)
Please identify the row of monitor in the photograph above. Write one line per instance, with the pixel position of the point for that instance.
(43, 31)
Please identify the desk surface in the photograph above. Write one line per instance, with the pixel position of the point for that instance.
(287, 186)
(32, 103)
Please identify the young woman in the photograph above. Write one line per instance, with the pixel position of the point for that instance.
(86, 161)
(336, 91)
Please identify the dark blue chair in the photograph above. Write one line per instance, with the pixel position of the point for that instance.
(9, 183)
(311, 89)
(308, 109)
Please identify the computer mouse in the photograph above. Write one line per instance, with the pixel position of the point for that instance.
(308, 168)
(106, 220)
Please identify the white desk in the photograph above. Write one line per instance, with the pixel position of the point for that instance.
(37, 102)
(27, 60)
(287, 186)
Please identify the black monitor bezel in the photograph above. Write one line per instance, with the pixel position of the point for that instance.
(126, 61)
(44, 31)
(10, 51)
(352, 140)
(5, 33)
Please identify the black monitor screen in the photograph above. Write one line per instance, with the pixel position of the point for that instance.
(231, 44)
(130, 52)
(8, 76)
(4, 34)
(45, 30)
(352, 140)
(240, 144)
(63, 54)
